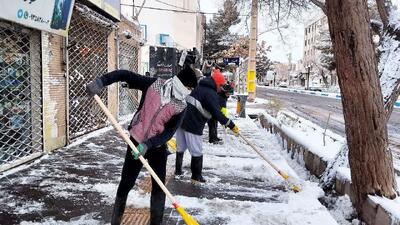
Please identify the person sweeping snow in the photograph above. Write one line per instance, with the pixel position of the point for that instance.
(160, 113)
(203, 103)
(226, 91)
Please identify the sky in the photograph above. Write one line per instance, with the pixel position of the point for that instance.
(293, 36)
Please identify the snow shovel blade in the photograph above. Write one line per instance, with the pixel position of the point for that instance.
(185, 216)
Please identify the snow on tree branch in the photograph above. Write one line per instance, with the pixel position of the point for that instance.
(389, 63)
(320, 4)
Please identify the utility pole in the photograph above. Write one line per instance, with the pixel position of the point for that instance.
(308, 77)
(251, 69)
(133, 9)
(290, 68)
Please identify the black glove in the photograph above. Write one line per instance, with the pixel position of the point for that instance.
(94, 87)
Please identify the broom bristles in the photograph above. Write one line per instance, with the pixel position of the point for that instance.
(189, 220)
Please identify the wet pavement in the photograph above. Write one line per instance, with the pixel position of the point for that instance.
(77, 185)
(65, 185)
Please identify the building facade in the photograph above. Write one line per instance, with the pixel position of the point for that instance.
(175, 23)
(43, 104)
(314, 33)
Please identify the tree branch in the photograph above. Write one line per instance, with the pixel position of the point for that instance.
(377, 27)
(320, 5)
(389, 68)
(389, 104)
(383, 9)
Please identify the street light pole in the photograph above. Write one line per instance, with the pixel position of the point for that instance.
(275, 28)
(308, 77)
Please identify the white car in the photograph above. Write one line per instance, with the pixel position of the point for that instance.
(283, 84)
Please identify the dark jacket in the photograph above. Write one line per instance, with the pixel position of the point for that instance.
(206, 93)
(222, 99)
(136, 81)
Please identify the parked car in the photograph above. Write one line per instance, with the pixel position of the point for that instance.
(315, 86)
(283, 84)
(315, 89)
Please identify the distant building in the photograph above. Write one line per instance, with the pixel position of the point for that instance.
(284, 71)
(173, 23)
(311, 55)
(311, 36)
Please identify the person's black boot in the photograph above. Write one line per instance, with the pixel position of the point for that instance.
(197, 167)
(118, 212)
(178, 163)
(157, 203)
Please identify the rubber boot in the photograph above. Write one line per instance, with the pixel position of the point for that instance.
(118, 212)
(197, 167)
(178, 163)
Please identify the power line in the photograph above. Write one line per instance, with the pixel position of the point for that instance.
(175, 10)
(165, 3)
(163, 9)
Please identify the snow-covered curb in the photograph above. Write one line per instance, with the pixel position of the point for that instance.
(308, 134)
(317, 93)
(381, 211)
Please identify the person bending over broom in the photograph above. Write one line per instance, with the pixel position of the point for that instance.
(160, 113)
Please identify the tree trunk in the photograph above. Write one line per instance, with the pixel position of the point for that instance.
(324, 78)
(369, 156)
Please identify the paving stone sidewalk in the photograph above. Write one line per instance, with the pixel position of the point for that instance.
(77, 185)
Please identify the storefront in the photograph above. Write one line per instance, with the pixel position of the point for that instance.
(87, 59)
(128, 59)
(20, 94)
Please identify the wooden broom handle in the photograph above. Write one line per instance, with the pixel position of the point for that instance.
(260, 153)
(133, 147)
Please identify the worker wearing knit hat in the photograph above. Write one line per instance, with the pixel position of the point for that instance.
(203, 103)
(218, 78)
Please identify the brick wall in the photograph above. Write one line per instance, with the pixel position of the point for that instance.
(112, 65)
(54, 92)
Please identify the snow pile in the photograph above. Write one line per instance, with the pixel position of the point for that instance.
(308, 134)
(343, 173)
(236, 160)
(81, 220)
(391, 205)
(264, 213)
(389, 63)
(341, 208)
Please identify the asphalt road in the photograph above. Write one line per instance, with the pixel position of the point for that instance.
(317, 110)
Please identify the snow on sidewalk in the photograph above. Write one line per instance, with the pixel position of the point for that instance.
(77, 185)
(242, 189)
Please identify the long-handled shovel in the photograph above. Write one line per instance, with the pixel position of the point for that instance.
(295, 188)
(185, 216)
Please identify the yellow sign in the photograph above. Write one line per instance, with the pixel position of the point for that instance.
(251, 81)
